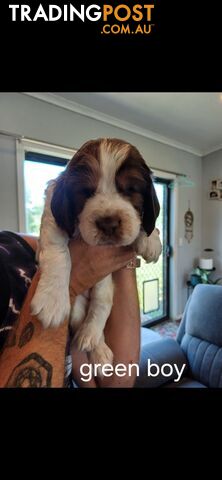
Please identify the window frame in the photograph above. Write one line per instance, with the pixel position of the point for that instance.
(166, 270)
(23, 146)
(174, 233)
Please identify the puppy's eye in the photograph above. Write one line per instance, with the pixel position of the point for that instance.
(132, 189)
(88, 192)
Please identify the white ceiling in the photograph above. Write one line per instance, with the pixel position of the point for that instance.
(191, 121)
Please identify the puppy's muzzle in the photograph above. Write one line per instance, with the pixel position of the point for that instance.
(108, 225)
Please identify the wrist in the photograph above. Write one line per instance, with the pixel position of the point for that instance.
(124, 274)
(134, 263)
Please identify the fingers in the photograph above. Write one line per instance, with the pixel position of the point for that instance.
(118, 254)
(100, 251)
(126, 256)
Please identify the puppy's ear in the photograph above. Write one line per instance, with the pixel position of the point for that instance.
(62, 210)
(151, 207)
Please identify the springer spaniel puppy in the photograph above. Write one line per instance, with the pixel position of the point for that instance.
(106, 196)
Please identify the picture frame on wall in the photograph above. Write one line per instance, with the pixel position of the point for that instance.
(215, 192)
(219, 184)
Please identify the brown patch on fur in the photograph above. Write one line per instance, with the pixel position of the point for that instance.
(135, 160)
(116, 143)
(89, 149)
(76, 185)
(133, 180)
(131, 184)
(83, 173)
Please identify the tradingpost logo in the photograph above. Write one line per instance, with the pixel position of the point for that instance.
(114, 19)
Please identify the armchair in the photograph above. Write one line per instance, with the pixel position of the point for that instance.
(197, 350)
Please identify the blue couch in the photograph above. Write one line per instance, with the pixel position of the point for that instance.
(194, 359)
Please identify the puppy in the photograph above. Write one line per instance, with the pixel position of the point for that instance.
(106, 196)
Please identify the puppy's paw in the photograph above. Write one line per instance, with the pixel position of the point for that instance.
(87, 337)
(101, 355)
(152, 247)
(50, 306)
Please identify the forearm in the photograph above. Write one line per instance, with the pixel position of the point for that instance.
(33, 356)
(122, 331)
(122, 334)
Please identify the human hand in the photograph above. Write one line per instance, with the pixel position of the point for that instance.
(90, 264)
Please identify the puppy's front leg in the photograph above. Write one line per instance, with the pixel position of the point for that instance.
(150, 247)
(51, 301)
(101, 355)
(90, 332)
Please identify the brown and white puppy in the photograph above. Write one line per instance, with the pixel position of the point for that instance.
(106, 196)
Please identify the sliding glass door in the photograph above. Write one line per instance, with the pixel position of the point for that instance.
(153, 278)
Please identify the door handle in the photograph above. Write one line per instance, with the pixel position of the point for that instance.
(168, 251)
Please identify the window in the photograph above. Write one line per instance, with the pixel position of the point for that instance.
(37, 163)
(38, 170)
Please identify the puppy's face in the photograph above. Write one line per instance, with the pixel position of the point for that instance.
(107, 192)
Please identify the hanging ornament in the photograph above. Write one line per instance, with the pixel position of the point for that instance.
(188, 220)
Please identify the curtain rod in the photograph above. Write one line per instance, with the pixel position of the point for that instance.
(169, 171)
(22, 137)
(15, 135)
(43, 142)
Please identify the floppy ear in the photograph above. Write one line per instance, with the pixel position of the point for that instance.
(151, 207)
(62, 208)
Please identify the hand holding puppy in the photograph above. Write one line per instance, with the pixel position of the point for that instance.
(90, 264)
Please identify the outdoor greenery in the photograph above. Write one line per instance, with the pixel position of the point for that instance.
(33, 213)
(33, 216)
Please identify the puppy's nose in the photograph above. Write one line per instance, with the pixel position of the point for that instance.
(108, 225)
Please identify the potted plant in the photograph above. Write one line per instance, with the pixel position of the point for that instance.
(199, 275)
